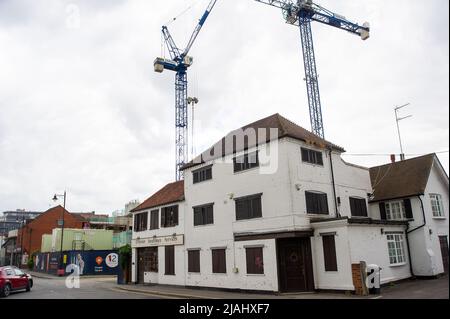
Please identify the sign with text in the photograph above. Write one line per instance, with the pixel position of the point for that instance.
(158, 241)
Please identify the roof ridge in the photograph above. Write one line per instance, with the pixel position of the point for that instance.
(406, 160)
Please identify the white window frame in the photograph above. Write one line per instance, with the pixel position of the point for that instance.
(437, 206)
(398, 214)
(396, 249)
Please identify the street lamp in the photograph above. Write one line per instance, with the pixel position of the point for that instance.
(61, 270)
(22, 226)
(398, 119)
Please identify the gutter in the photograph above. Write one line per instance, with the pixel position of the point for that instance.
(334, 184)
(410, 231)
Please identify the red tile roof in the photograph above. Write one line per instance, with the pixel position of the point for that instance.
(171, 193)
(285, 128)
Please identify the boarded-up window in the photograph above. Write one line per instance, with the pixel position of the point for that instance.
(194, 261)
(358, 207)
(255, 261)
(154, 219)
(140, 222)
(204, 215)
(170, 260)
(202, 174)
(316, 203)
(169, 216)
(219, 263)
(248, 207)
(312, 157)
(246, 162)
(329, 252)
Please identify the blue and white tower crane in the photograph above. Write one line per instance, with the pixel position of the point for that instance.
(179, 62)
(301, 13)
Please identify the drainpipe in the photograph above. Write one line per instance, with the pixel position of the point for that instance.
(334, 185)
(410, 231)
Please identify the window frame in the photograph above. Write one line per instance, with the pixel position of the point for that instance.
(317, 193)
(329, 261)
(436, 201)
(396, 244)
(312, 156)
(169, 267)
(206, 220)
(250, 210)
(164, 219)
(358, 199)
(153, 220)
(202, 174)
(252, 268)
(244, 164)
(197, 264)
(402, 210)
(139, 222)
(221, 269)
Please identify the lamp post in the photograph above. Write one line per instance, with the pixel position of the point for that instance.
(22, 226)
(398, 119)
(61, 270)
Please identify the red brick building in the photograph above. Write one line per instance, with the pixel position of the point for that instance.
(44, 224)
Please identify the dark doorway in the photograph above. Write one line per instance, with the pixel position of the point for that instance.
(147, 259)
(444, 252)
(295, 268)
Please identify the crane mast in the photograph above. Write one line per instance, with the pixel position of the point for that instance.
(301, 13)
(179, 62)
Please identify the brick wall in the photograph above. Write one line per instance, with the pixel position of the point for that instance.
(44, 224)
(359, 279)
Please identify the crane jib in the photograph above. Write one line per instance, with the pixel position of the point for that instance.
(203, 19)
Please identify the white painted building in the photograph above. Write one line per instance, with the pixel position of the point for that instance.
(278, 210)
(418, 190)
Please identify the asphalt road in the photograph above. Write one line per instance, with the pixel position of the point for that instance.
(90, 288)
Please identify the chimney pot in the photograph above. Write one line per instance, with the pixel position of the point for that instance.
(393, 159)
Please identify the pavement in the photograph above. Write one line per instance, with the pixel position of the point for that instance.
(106, 287)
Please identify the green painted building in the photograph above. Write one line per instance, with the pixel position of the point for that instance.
(78, 239)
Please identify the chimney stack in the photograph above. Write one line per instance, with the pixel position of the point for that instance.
(393, 159)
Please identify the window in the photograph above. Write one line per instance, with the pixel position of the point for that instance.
(18, 272)
(248, 207)
(436, 205)
(194, 260)
(170, 260)
(153, 259)
(329, 252)
(246, 162)
(219, 264)
(169, 216)
(316, 203)
(396, 251)
(140, 222)
(395, 211)
(154, 219)
(255, 261)
(202, 174)
(312, 157)
(203, 215)
(358, 207)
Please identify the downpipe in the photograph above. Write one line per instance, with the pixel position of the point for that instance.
(412, 230)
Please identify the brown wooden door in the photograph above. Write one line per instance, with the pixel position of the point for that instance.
(444, 252)
(146, 259)
(295, 265)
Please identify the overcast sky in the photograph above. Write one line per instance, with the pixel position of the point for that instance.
(81, 108)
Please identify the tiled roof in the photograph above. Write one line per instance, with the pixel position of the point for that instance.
(285, 128)
(171, 193)
(401, 179)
